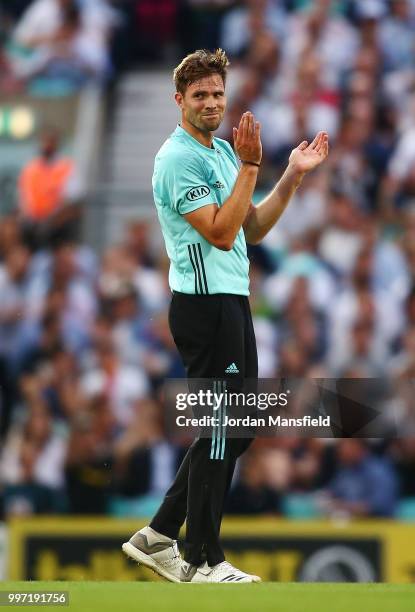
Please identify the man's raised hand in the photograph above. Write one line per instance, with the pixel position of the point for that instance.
(306, 156)
(247, 139)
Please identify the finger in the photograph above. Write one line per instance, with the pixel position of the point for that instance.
(319, 145)
(258, 130)
(303, 145)
(251, 125)
(322, 147)
(324, 139)
(235, 133)
(321, 142)
(245, 126)
(315, 142)
(241, 126)
(248, 124)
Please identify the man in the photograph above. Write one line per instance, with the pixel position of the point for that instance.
(50, 191)
(203, 198)
(364, 484)
(63, 38)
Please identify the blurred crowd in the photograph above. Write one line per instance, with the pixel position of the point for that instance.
(84, 338)
(55, 46)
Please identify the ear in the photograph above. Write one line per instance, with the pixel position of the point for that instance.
(179, 99)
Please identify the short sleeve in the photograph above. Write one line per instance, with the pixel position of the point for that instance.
(185, 184)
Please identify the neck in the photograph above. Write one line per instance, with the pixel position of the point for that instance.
(47, 159)
(204, 137)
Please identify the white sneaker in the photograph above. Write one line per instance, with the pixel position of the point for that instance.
(155, 551)
(223, 572)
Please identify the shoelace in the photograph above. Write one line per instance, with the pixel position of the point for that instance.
(175, 549)
(176, 560)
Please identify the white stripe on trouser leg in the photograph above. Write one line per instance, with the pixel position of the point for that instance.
(222, 453)
(219, 437)
(217, 447)
(213, 443)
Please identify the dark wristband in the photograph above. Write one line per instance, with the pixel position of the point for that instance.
(251, 163)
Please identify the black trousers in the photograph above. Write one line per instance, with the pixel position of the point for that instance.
(212, 332)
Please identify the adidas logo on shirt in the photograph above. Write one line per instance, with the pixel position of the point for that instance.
(218, 185)
(232, 369)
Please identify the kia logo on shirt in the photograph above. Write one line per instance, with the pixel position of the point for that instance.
(197, 192)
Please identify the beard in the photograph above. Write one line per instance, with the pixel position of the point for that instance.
(205, 124)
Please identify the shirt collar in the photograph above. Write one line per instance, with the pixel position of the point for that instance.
(180, 131)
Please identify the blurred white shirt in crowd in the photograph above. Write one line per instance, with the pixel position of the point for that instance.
(49, 466)
(43, 19)
(127, 385)
(236, 32)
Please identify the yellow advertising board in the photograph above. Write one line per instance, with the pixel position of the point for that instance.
(74, 548)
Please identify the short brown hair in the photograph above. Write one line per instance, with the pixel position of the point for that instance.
(200, 64)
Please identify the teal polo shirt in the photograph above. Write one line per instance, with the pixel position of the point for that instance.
(188, 175)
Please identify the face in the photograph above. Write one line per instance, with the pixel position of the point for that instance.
(203, 103)
(350, 451)
(49, 144)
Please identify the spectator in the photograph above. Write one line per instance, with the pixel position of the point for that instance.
(403, 453)
(122, 383)
(31, 465)
(364, 484)
(398, 186)
(90, 457)
(15, 306)
(241, 25)
(63, 39)
(252, 494)
(374, 315)
(315, 28)
(340, 241)
(396, 37)
(144, 460)
(49, 192)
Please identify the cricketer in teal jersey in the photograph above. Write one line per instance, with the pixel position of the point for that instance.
(188, 176)
(203, 194)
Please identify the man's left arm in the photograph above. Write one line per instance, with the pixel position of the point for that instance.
(260, 219)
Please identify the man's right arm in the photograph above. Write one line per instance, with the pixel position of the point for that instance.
(220, 226)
